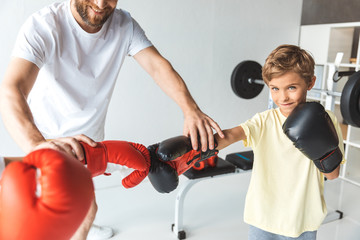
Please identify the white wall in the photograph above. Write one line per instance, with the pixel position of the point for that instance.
(203, 39)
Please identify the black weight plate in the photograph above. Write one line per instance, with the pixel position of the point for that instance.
(240, 79)
(350, 100)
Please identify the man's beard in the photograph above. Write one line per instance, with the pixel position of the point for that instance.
(82, 9)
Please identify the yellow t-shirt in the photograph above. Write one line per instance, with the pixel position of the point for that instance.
(285, 194)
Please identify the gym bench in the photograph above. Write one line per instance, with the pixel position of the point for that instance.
(234, 163)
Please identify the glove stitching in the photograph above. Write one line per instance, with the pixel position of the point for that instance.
(327, 155)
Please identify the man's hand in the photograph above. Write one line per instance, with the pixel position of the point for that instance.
(69, 145)
(199, 126)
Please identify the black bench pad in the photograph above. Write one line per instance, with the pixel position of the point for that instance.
(222, 167)
(242, 160)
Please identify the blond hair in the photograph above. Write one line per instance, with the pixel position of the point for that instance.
(288, 58)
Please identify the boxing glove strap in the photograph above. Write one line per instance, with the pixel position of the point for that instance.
(95, 158)
(208, 153)
(330, 162)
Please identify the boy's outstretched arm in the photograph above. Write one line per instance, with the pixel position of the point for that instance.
(232, 135)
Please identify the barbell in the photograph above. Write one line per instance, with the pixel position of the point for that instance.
(247, 82)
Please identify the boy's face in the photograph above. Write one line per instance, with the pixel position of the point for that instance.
(289, 90)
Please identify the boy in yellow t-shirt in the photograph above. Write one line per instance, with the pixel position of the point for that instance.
(285, 197)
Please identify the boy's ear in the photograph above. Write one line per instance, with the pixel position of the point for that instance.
(312, 83)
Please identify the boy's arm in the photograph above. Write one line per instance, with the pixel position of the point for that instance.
(232, 135)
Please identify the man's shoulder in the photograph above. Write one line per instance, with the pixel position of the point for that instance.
(47, 15)
(122, 16)
(51, 10)
(121, 12)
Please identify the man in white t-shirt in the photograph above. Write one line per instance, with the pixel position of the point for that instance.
(64, 67)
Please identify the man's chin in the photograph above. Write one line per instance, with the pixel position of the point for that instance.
(95, 23)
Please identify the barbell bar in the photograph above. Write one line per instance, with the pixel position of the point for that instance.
(338, 75)
(246, 82)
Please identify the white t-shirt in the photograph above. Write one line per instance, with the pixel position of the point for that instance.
(286, 191)
(78, 70)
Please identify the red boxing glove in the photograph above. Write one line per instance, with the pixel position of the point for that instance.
(66, 194)
(132, 155)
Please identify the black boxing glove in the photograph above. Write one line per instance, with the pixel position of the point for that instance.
(162, 176)
(171, 158)
(311, 130)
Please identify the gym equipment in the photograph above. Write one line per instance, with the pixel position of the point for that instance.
(234, 163)
(243, 78)
(246, 82)
(222, 168)
(350, 100)
(338, 75)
